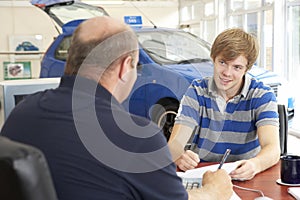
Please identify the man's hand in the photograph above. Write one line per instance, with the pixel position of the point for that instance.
(246, 170)
(215, 185)
(188, 160)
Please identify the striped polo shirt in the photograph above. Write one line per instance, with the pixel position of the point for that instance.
(231, 124)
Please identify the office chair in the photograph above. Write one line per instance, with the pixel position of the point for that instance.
(24, 173)
(283, 128)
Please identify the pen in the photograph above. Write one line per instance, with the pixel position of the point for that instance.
(227, 152)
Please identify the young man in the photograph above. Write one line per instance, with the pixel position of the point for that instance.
(231, 110)
(95, 149)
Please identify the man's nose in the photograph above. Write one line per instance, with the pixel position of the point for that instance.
(227, 70)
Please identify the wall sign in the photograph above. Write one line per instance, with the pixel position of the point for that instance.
(16, 70)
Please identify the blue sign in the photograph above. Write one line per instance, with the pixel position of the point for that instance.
(135, 21)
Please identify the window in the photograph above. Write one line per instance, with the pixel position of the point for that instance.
(293, 41)
(61, 53)
(236, 5)
(236, 21)
(255, 17)
(200, 18)
(66, 12)
(267, 40)
(252, 4)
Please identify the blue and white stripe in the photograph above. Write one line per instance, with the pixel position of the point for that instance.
(231, 124)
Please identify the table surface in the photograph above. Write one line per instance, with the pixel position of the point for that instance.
(265, 182)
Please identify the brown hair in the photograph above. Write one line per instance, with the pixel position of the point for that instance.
(234, 42)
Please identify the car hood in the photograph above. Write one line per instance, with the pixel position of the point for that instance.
(268, 77)
(193, 71)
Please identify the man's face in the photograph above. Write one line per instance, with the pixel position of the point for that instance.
(228, 75)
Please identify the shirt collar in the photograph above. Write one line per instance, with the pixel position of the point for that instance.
(212, 88)
(87, 86)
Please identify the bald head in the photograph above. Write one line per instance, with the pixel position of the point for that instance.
(100, 28)
(98, 42)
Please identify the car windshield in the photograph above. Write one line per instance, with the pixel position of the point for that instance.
(173, 47)
(71, 11)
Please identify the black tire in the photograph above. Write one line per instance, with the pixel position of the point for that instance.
(164, 117)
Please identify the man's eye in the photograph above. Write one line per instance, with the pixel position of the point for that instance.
(238, 67)
(221, 62)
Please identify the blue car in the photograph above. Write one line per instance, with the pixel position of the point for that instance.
(169, 59)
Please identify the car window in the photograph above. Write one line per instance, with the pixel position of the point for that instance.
(171, 47)
(164, 47)
(61, 52)
(66, 12)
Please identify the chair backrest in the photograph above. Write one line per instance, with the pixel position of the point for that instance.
(283, 128)
(24, 173)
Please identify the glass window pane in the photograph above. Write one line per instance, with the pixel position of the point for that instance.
(253, 27)
(236, 21)
(210, 31)
(61, 53)
(67, 13)
(294, 43)
(236, 4)
(249, 4)
(209, 9)
(268, 40)
(269, 2)
(185, 14)
(252, 23)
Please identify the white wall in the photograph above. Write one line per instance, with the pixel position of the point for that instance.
(21, 21)
(161, 13)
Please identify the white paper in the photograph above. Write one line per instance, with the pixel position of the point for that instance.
(193, 178)
(198, 172)
(295, 192)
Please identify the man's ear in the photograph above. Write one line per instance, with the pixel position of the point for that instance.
(125, 66)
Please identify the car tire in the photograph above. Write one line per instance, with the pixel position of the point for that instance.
(164, 117)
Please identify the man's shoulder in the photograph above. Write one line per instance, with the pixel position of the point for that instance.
(202, 86)
(258, 89)
(204, 82)
(29, 100)
(256, 84)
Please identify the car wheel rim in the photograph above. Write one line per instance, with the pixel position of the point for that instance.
(166, 122)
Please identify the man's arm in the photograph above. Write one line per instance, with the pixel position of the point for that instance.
(215, 185)
(269, 155)
(270, 146)
(183, 159)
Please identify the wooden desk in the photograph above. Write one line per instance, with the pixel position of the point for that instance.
(264, 181)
